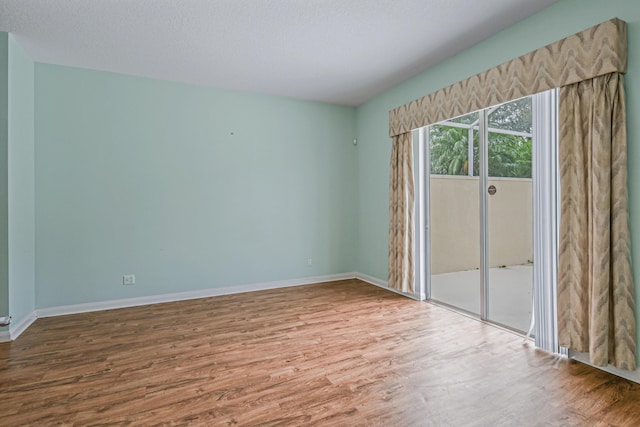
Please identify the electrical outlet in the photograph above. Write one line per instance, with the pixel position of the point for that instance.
(309, 261)
(129, 279)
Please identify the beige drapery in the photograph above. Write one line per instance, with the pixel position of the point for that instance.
(597, 51)
(595, 284)
(401, 205)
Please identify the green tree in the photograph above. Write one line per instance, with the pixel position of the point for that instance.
(449, 150)
(514, 115)
(508, 155)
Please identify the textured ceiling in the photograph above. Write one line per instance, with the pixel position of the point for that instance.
(338, 51)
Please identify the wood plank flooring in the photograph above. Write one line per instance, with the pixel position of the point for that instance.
(332, 354)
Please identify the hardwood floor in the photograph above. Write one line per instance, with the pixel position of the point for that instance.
(335, 354)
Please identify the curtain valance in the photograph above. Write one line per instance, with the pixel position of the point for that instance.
(596, 51)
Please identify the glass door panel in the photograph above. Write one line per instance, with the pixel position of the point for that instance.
(454, 215)
(510, 215)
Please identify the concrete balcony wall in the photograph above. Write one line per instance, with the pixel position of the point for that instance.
(455, 223)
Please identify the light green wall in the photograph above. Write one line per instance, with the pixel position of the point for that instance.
(556, 22)
(4, 138)
(186, 187)
(21, 209)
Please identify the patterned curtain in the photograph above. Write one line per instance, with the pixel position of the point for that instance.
(596, 291)
(595, 283)
(401, 205)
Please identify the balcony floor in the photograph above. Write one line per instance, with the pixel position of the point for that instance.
(510, 298)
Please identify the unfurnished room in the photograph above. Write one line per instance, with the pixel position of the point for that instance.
(319, 213)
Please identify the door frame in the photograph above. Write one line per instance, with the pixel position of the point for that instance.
(545, 217)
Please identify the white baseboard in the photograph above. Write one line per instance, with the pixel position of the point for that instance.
(20, 327)
(15, 329)
(385, 285)
(181, 296)
(584, 358)
(372, 280)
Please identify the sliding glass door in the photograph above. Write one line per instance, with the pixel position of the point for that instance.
(510, 214)
(454, 213)
(480, 213)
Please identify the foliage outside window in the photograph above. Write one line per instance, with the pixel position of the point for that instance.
(509, 155)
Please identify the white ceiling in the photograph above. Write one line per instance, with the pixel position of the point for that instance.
(338, 51)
